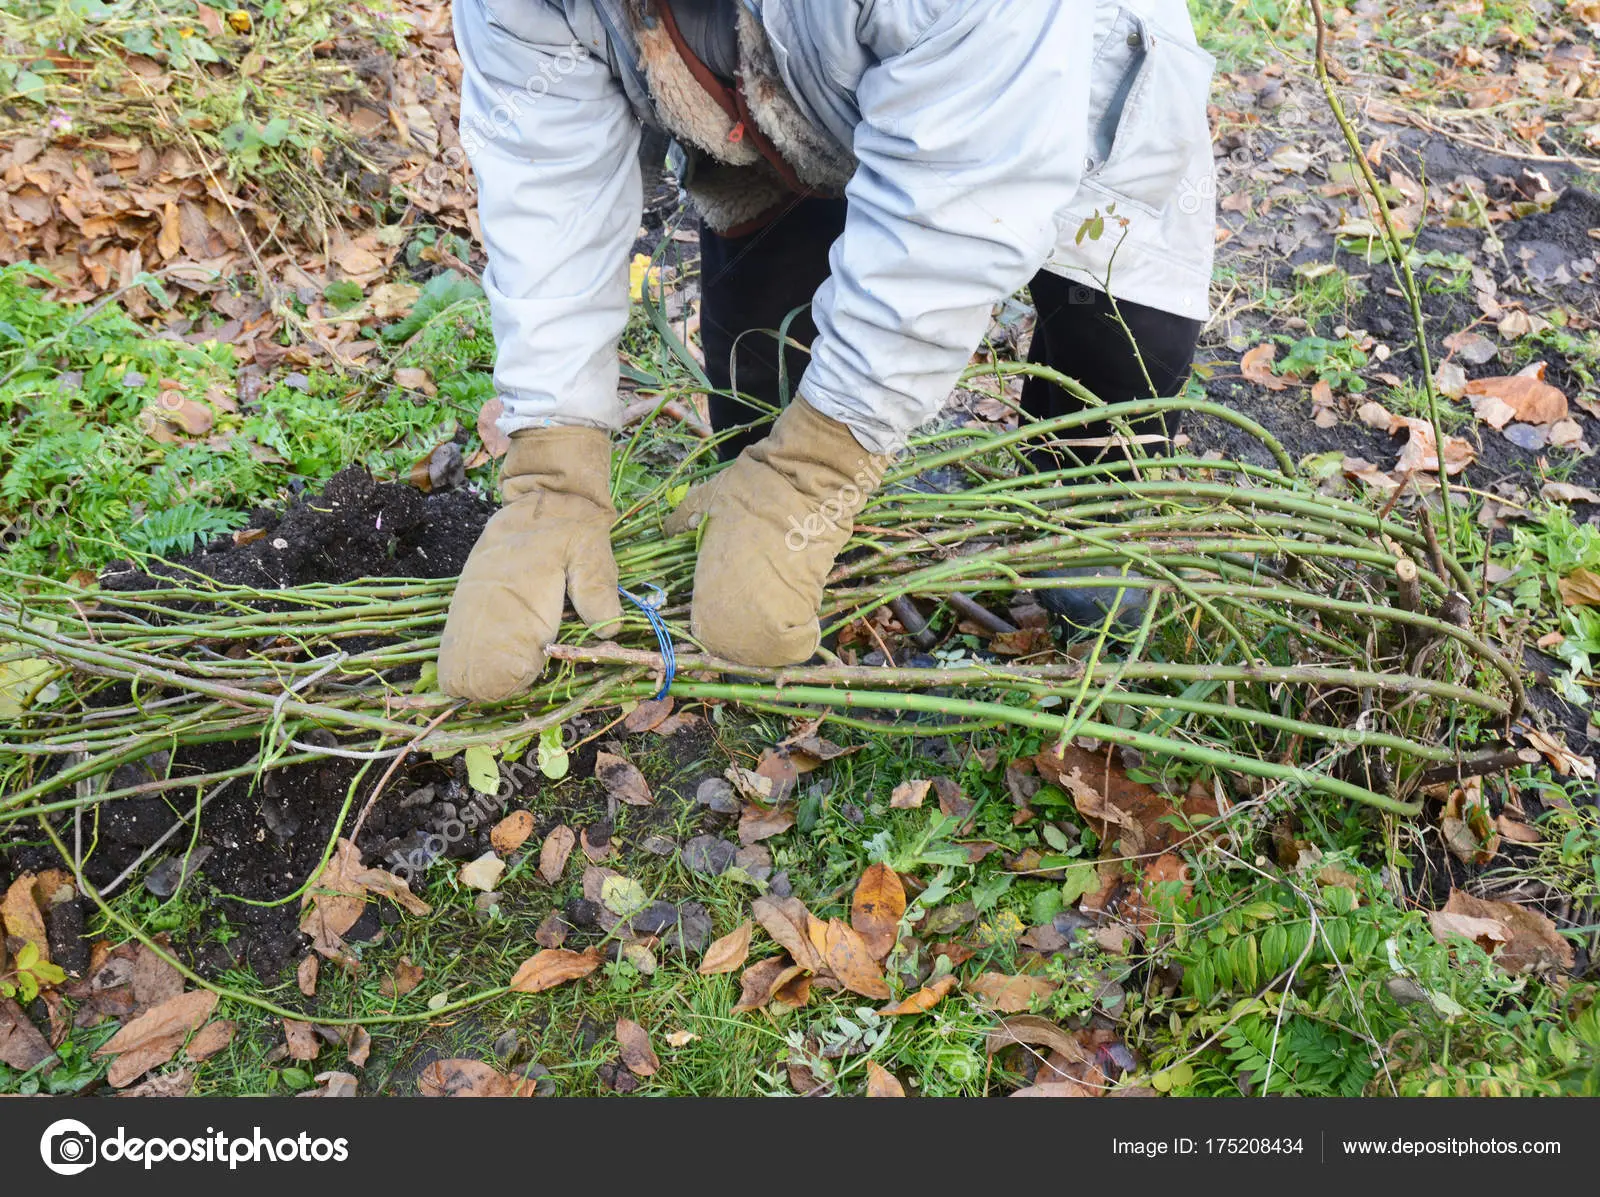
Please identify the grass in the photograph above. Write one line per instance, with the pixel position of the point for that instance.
(90, 470)
(1376, 1004)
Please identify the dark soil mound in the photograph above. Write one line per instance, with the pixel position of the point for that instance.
(266, 838)
(356, 528)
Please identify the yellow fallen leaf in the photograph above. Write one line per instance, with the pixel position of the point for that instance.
(640, 270)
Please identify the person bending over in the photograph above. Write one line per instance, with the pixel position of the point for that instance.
(893, 168)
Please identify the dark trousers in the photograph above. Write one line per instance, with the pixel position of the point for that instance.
(750, 285)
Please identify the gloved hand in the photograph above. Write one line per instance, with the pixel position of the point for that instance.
(774, 521)
(551, 538)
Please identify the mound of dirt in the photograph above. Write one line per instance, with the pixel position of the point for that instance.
(265, 839)
(355, 528)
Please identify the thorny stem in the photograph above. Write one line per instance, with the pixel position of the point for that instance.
(1398, 254)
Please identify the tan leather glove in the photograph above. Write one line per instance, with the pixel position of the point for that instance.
(774, 522)
(551, 538)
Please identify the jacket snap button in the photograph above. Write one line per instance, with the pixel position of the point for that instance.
(1134, 40)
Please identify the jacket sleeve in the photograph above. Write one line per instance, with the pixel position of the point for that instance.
(972, 138)
(553, 142)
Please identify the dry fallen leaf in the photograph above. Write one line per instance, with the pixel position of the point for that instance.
(553, 966)
(650, 714)
(511, 832)
(762, 980)
(306, 976)
(1566, 492)
(167, 1084)
(757, 823)
(1465, 825)
(1496, 413)
(622, 780)
(482, 874)
(1580, 588)
(1421, 449)
(21, 915)
(332, 1084)
(154, 1037)
(1562, 759)
(21, 1045)
(727, 953)
(1056, 1089)
(1488, 934)
(788, 922)
(1146, 818)
(908, 795)
(881, 1082)
(358, 1045)
(1032, 1029)
(469, 1078)
(1530, 941)
(495, 442)
(338, 894)
(876, 908)
(301, 1038)
(1530, 398)
(637, 1053)
(553, 855)
(407, 976)
(1517, 831)
(1473, 347)
(848, 958)
(154, 980)
(1256, 366)
(1009, 994)
(922, 1000)
(212, 1038)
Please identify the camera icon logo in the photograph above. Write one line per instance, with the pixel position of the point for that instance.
(68, 1147)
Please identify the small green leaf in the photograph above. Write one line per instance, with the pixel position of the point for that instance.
(1082, 878)
(342, 294)
(483, 773)
(551, 754)
(239, 137)
(623, 896)
(427, 678)
(29, 86)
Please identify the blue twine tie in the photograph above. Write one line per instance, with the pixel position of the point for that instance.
(651, 606)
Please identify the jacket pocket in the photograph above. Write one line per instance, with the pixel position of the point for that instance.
(1148, 92)
(537, 22)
